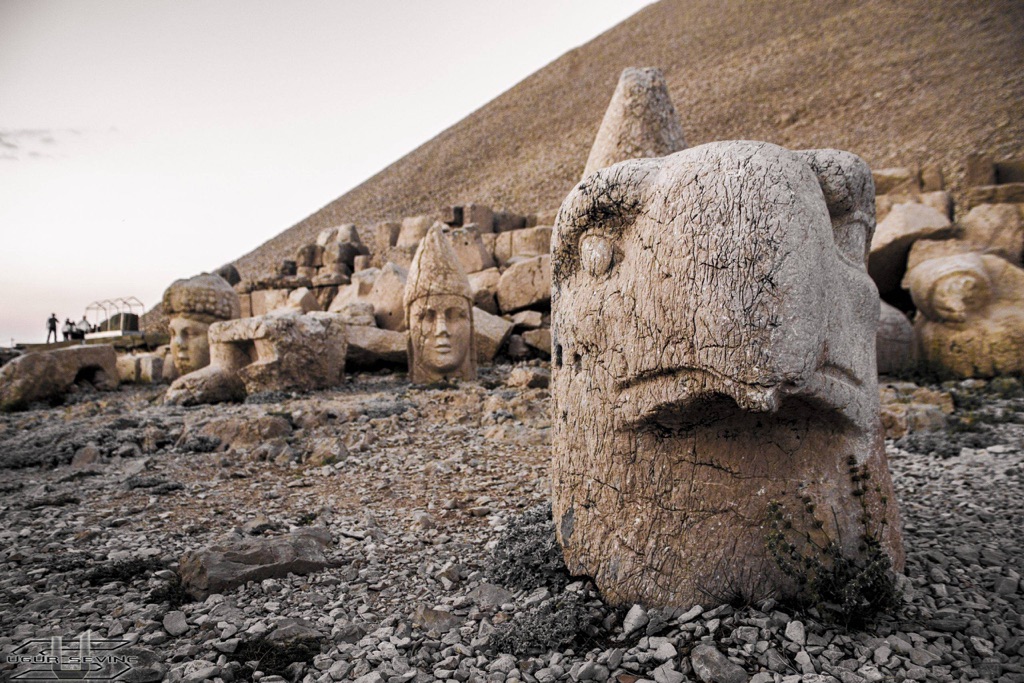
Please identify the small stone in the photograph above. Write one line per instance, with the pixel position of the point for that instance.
(795, 632)
(503, 664)
(666, 673)
(636, 619)
(1006, 585)
(665, 652)
(690, 614)
(175, 624)
(803, 660)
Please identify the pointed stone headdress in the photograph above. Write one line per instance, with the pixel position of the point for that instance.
(436, 270)
(640, 122)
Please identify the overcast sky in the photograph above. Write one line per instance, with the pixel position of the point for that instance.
(143, 141)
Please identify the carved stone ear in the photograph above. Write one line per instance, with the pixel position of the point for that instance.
(849, 190)
(608, 200)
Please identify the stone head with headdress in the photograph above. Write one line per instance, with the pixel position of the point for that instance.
(439, 309)
(192, 306)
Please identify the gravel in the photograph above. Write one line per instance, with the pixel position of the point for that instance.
(431, 480)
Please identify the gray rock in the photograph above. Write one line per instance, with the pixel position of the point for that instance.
(636, 618)
(711, 666)
(224, 566)
(795, 632)
(175, 624)
(488, 596)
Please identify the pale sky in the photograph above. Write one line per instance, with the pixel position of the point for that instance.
(146, 140)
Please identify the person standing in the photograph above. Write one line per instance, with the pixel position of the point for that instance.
(68, 328)
(51, 327)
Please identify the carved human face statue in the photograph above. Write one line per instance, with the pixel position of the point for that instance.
(957, 294)
(190, 346)
(441, 335)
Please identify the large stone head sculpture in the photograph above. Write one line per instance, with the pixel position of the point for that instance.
(970, 319)
(192, 305)
(439, 311)
(714, 370)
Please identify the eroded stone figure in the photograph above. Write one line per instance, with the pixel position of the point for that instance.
(192, 306)
(439, 311)
(714, 370)
(970, 319)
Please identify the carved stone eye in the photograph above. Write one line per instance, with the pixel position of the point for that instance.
(596, 254)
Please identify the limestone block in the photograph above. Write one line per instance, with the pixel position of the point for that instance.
(244, 305)
(713, 369)
(996, 229)
(387, 297)
(640, 122)
(358, 290)
(539, 340)
(506, 220)
(1011, 193)
(308, 272)
(938, 200)
(358, 313)
(49, 375)
(309, 255)
(470, 249)
(970, 319)
(522, 243)
(385, 236)
(151, 368)
(332, 276)
(524, 284)
(302, 300)
(480, 216)
(484, 285)
(902, 180)
(528, 320)
(489, 334)
(128, 369)
(266, 300)
(905, 224)
(362, 262)
(344, 253)
(324, 296)
(326, 236)
(371, 347)
(414, 229)
(348, 232)
(451, 215)
(894, 342)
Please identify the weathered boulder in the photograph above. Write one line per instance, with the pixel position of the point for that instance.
(151, 368)
(996, 229)
(895, 348)
(489, 334)
(371, 347)
(227, 565)
(905, 224)
(526, 283)
(925, 250)
(940, 201)
(539, 340)
(484, 285)
(414, 229)
(479, 215)
(357, 313)
(640, 122)
(522, 243)
(267, 300)
(303, 301)
(49, 375)
(309, 256)
(388, 295)
(713, 371)
(128, 369)
(970, 317)
(358, 290)
(469, 249)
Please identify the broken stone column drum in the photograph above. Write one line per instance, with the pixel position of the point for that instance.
(714, 360)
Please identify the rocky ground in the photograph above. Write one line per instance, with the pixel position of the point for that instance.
(442, 563)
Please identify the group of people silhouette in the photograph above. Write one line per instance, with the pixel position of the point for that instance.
(70, 330)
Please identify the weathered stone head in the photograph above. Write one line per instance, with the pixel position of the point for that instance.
(714, 368)
(970, 320)
(439, 311)
(192, 305)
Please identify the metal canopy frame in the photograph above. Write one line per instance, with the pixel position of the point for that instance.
(109, 307)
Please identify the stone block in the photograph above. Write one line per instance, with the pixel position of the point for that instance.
(151, 368)
(309, 255)
(484, 285)
(894, 236)
(894, 341)
(525, 284)
(414, 229)
(996, 229)
(245, 305)
(480, 216)
(358, 290)
(522, 243)
(470, 249)
(901, 180)
(49, 375)
(128, 369)
(302, 300)
(539, 340)
(372, 347)
(266, 300)
(489, 334)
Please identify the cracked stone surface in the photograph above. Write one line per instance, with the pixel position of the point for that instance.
(714, 356)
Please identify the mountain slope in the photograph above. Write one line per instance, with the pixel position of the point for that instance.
(896, 82)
